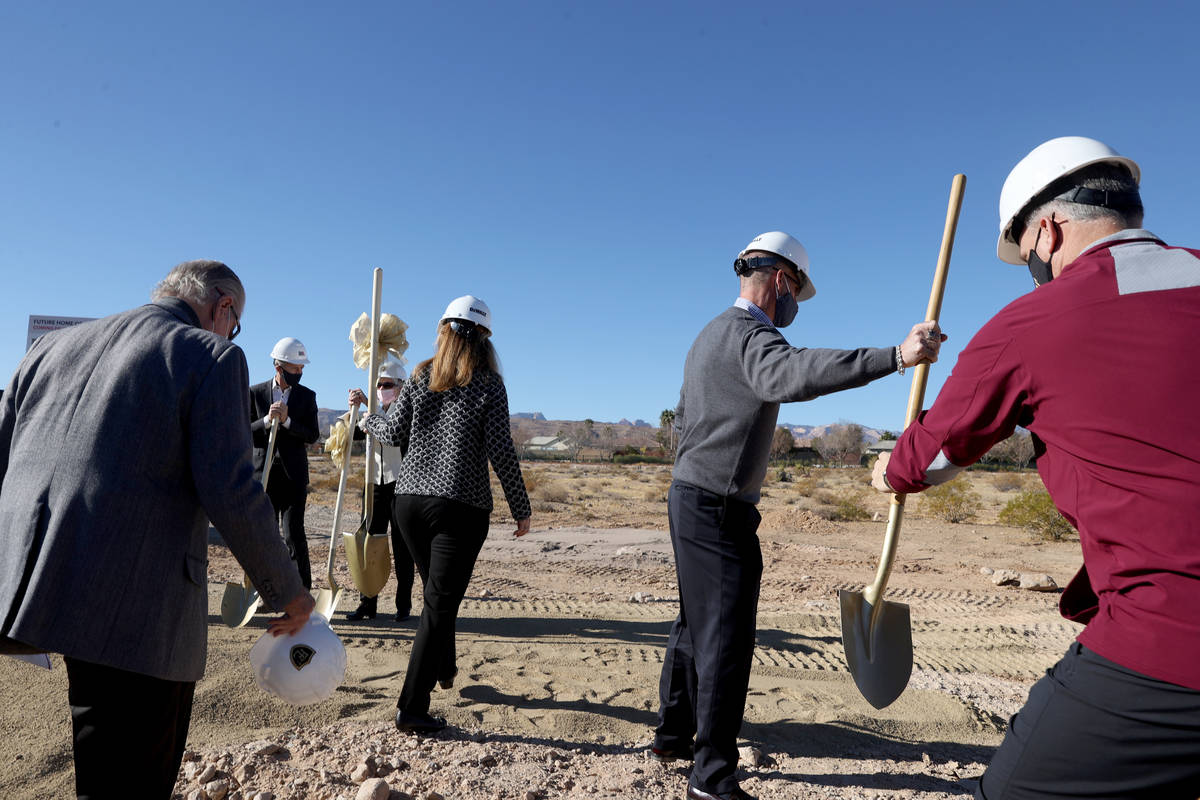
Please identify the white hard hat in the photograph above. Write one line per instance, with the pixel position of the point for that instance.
(392, 368)
(300, 669)
(1045, 164)
(470, 308)
(781, 244)
(290, 350)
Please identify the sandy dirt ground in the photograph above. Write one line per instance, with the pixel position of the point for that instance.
(561, 640)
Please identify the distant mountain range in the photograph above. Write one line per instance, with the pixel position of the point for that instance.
(534, 423)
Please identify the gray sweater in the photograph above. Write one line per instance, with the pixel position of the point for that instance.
(737, 373)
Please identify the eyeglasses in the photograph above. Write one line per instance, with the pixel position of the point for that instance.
(797, 282)
(385, 385)
(237, 323)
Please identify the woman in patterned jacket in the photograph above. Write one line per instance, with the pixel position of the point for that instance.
(450, 420)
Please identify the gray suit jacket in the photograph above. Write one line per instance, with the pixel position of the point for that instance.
(119, 440)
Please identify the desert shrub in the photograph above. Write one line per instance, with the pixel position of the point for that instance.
(808, 485)
(1033, 510)
(825, 497)
(638, 458)
(532, 479)
(783, 476)
(955, 501)
(552, 493)
(1008, 481)
(849, 506)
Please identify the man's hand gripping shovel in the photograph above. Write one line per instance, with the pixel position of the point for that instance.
(240, 600)
(877, 634)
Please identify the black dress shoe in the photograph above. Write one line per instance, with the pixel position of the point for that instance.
(665, 755)
(403, 615)
(418, 723)
(366, 610)
(699, 794)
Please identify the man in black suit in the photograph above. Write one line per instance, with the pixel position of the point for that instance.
(295, 407)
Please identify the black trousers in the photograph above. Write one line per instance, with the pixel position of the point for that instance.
(383, 516)
(445, 537)
(706, 670)
(289, 499)
(1092, 728)
(129, 731)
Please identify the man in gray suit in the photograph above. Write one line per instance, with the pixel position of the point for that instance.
(119, 440)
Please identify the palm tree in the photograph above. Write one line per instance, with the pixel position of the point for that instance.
(666, 421)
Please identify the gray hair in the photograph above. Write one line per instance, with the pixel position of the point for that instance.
(1102, 177)
(201, 282)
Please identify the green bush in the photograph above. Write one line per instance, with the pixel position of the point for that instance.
(849, 507)
(955, 501)
(1034, 510)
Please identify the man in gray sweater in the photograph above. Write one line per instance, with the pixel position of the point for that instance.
(739, 370)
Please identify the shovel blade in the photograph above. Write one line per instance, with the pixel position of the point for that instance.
(238, 604)
(327, 602)
(880, 657)
(369, 559)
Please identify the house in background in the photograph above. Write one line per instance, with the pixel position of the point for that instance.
(548, 447)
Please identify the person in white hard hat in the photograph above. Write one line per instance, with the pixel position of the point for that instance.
(387, 466)
(283, 398)
(111, 476)
(450, 420)
(738, 371)
(1096, 363)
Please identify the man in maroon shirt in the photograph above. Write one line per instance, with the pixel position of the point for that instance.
(1098, 364)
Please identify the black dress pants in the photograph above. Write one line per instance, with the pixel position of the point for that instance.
(1093, 728)
(129, 731)
(289, 499)
(383, 516)
(444, 537)
(706, 670)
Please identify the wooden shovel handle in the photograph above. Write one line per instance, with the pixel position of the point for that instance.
(372, 395)
(341, 492)
(916, 394)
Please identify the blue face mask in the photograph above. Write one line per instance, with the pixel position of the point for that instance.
(785, 308)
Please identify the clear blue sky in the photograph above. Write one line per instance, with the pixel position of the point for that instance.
(588, 169)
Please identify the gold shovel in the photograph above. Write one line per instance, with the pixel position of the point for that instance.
(327, 599)
(240, 600)
(367, 555)
(877, 634)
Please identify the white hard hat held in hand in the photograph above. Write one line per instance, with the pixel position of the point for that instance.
(302, 669)
(290, 350)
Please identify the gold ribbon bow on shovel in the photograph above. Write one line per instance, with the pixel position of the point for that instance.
(877, 634)
(367, 555)
(240, 600)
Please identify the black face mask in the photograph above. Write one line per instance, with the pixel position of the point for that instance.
(1039, 269)
(291, 379)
